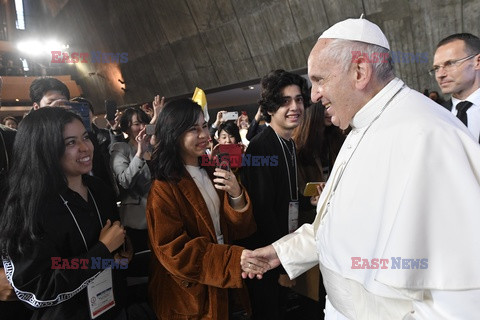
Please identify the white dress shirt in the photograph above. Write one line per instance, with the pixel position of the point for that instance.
(473, 113)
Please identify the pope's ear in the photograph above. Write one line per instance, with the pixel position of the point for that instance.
(363, 70)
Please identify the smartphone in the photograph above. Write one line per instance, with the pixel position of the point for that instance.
(110, 109)
(234, 152)
(223, 161)
(230, 116)
(311, 189)
(150, 129)
(83, 111)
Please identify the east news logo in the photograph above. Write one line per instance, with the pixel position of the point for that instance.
(94, 57)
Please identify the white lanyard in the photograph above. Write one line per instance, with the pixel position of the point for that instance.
(65, 202)
(288, 169)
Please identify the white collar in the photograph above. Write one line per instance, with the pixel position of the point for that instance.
(373, 107)
(194, 171)
(473, 98)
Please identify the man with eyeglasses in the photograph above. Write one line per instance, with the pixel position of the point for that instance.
(456, 67)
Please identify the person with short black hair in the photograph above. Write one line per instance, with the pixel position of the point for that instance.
(10, 122)
(228, 132)
(128, 161)
(273, 188)
(456, 67)
(48, 92)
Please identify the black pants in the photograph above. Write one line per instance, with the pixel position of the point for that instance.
(268, 299)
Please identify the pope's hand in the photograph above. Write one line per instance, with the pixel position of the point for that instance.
(256, 263)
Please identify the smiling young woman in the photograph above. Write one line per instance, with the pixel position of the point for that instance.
(192, 214)
(53, 210)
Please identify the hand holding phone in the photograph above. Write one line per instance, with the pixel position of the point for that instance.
(110, 109)
(225, 179)
(311, 188)
(230, 116)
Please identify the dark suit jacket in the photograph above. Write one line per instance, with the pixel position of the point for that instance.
(254, 129)
(448, 104)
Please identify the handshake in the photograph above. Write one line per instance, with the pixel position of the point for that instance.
(256, 263)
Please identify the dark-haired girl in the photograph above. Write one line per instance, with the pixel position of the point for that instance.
(57, 220)
(193, 213)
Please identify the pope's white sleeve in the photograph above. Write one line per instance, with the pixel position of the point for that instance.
(297, 251)
(463, 304)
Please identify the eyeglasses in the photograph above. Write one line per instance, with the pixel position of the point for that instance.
(450, 64)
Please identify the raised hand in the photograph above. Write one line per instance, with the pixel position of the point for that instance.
(219, 119)
(143, 142)
(115, 124)
(158, 104)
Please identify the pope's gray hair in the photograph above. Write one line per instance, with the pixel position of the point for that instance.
(344, 52)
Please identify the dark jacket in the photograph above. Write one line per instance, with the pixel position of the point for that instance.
(7, 136)
(62, 293)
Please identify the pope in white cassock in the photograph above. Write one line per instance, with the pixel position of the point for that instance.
(405, 188)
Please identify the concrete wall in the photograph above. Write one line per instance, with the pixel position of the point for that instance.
(175, 45)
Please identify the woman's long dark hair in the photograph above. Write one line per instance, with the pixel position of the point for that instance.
(309, 135)
(176, 117)
(35, 174)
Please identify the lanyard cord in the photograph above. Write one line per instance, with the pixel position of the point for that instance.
(292, 198)
(65, 202)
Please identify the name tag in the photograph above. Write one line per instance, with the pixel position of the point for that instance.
(292, 216)
(100, 294)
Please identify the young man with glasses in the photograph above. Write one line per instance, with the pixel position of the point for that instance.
(456, 67)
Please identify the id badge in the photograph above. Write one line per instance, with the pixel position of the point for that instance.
(100, 294)
(292, 216)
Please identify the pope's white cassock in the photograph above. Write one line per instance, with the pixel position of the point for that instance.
(406, 185)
